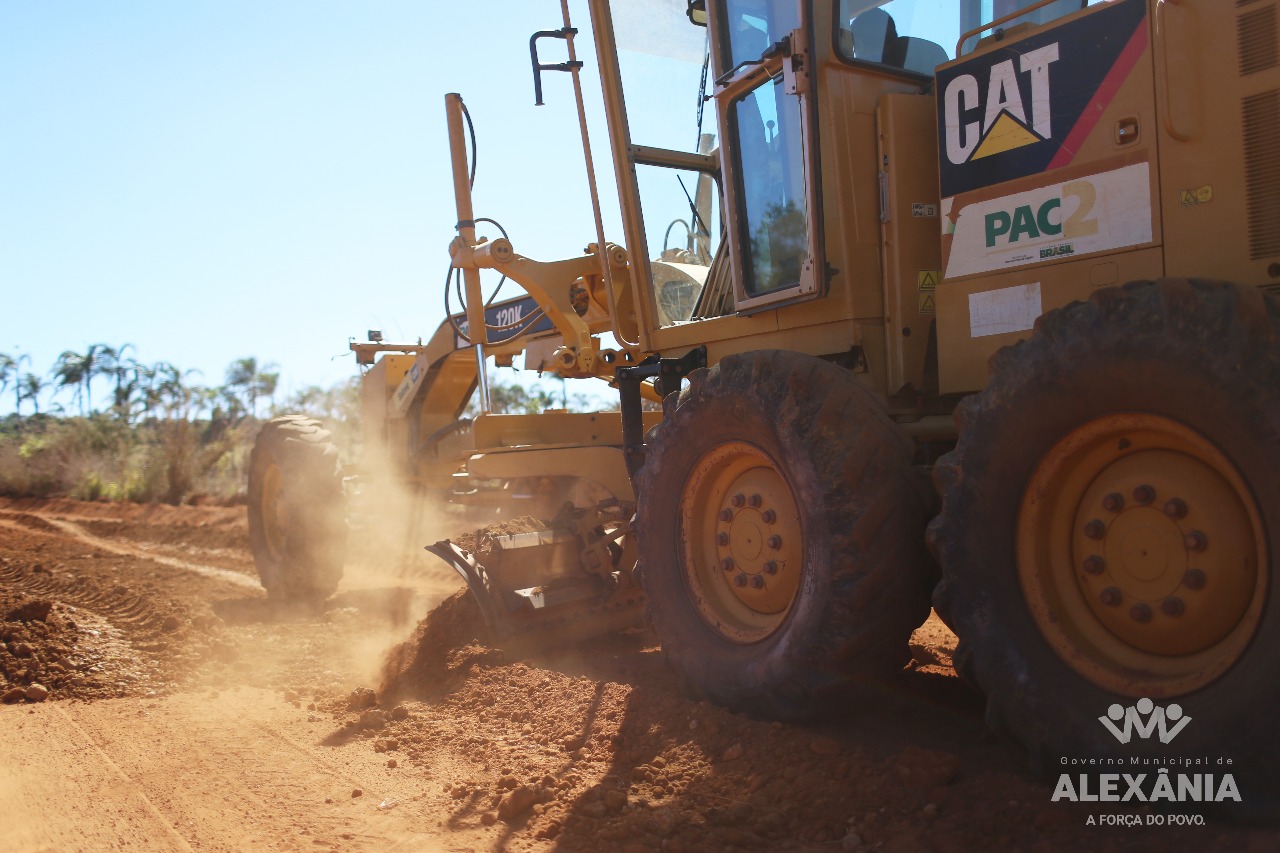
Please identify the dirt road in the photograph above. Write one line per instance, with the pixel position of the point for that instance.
(186, 712)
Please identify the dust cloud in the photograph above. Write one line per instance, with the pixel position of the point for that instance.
(388, 569)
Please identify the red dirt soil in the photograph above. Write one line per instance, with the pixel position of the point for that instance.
(185, 711)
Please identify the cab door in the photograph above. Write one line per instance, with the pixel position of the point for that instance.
(763, 98)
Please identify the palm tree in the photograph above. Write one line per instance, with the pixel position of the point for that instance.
(11, 374)
(149, 382)
(180, 401)
(99, 360)
(264, 385)
(247, 382)
(126, 372)
(29, 389)
(239, 384)
(70, 370)
(8, 371)
(79, 370)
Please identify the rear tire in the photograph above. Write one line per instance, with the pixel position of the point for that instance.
(297, 510)
(777, 457)
(1105, 526)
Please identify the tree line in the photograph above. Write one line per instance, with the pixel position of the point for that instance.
(137, 391)
(101, 423)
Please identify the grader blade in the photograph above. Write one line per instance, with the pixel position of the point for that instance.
(535, 583)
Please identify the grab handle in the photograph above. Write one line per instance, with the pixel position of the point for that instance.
(1166, 110)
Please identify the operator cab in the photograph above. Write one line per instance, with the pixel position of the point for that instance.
(719, 119)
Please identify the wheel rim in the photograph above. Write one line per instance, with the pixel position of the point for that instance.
(1142, 555)
(273, 524)
(741, 543)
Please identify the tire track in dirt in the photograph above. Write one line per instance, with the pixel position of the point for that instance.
(112, 602)
(69, 529)
(119, 608)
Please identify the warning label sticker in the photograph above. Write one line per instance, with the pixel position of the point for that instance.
(1203, 195)
(926, 283)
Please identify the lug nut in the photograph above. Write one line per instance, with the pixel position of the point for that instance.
(1094, 564)
(727, 564)
(1194, 579)
(775, 542)
(1172, 606)
(1140, 612)
(1095, 529)
(1113, 502)
(726, 514)
(1176, 508)
(768, 516)
(771, 567)
(755, 501)
(757, 582)
(1195, 541)
(722, 539)
(1110, 596)
(1144, 494)
(740, 579)
(738, 500)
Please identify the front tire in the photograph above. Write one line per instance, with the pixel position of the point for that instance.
(781, 535)
(297, 510)
(1107, 514)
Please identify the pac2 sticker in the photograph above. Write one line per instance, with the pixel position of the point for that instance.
(1094, 213)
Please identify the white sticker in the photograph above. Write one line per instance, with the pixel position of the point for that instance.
(1010, 309)
(921, 209)
(1091, 214)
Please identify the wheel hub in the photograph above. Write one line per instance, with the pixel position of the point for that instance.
(1142, 555)
(273, 516)
(743, 543)
(1183, 515)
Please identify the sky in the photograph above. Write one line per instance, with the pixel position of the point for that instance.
(213, 180)
(209, 180)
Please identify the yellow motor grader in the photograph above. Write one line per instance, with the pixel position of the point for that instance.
(1027, 246)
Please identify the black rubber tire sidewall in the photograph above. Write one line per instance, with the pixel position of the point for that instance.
(310, 562)
(867, 574)
(1202, 354)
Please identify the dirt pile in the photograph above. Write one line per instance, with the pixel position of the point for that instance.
(446, 644)
(441, 652)
(480, 542)
(596, 747)
(37, 642)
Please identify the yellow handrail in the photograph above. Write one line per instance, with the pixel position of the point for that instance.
(998, 21)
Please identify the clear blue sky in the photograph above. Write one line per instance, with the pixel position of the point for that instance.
(213, 180)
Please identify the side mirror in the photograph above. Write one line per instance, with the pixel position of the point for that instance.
(697, 12)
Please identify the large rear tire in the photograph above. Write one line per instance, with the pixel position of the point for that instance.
(780, 535)
(297, 511)
(1105, 529)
